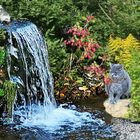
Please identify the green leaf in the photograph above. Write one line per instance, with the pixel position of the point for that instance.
(1, 92)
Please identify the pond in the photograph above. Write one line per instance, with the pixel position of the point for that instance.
(91, 122)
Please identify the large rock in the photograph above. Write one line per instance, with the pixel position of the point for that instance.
(4, 16)
(118, 110)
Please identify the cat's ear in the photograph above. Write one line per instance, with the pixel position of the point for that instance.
(121, 65)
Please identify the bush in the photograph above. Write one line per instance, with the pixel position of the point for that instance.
(134, 70)
(84, 75)
(115, 17)
(121, 49)
(58, 57)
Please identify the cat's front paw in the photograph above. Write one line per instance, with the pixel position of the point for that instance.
(112, 101)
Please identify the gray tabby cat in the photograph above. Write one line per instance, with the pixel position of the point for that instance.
(120, 84)
(4, 16)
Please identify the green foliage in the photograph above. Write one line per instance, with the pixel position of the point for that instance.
(125, 14)
(57, 56)
(1, 92)
(115, 17)
(10, 92)
(44, 13)
(134, 70)
(120, 49)
(2, 45)
(2, 36)
(2, 56)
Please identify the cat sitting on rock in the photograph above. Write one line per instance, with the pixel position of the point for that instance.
(119, 85)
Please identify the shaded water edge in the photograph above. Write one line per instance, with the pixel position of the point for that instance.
(94, 104)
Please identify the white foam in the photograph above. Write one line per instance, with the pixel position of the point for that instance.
(56, 118)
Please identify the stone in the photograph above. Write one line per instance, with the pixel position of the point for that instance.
(4, 16)
(118, 110)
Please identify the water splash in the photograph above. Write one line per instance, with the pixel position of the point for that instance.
(60, 118)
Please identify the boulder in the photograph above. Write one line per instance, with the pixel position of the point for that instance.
(118, 110)
(4, 16)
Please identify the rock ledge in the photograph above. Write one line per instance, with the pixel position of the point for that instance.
(118, 110)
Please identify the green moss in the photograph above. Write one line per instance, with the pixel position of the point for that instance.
(2, 56)
(10, 92)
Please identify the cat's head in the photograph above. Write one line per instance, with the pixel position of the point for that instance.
(116, 72)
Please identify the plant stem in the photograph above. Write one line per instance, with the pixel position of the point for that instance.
(106, 14)
(71, 57)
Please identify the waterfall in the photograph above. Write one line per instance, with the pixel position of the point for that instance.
(28, 67)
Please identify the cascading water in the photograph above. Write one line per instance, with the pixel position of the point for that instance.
(28, 67)
(34, 104)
